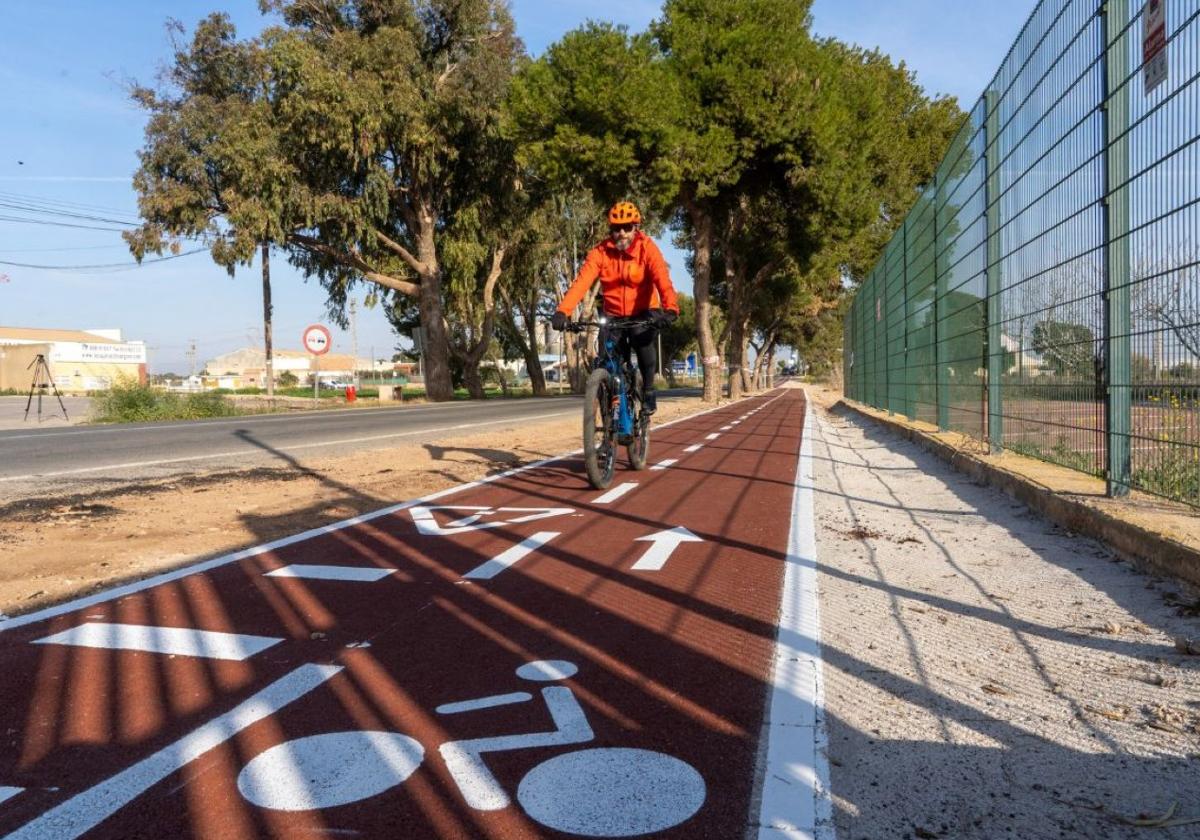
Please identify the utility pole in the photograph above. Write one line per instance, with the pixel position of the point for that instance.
(354, 340)
(191, 354)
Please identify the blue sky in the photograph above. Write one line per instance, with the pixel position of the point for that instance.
(71, 135)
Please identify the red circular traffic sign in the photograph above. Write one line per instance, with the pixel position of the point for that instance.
(317, 340)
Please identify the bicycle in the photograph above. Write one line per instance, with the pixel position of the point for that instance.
(614, 411)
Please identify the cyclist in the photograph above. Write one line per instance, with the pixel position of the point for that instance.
(634, 282)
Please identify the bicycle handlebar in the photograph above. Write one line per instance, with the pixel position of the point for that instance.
(580, 326)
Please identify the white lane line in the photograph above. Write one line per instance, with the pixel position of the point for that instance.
(667, 464)
(493, 567)
(84, 811)
(180, 641)
(484, 703)
(736, 423)
(266, 548)
(713, 436)
(795, 778)
(694, 447)
(727, 428)
(241, 453)
(358, 574)
(258, 421)
(7, 793)
(615, 493)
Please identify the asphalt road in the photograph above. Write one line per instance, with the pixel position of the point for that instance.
(37, 461)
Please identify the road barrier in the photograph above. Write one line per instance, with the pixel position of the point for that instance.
(1043, 293)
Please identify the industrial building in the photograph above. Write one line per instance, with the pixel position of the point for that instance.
(79, 360)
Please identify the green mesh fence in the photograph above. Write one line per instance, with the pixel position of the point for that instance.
(1043, 293)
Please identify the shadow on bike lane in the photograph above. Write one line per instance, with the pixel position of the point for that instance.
(524, 658)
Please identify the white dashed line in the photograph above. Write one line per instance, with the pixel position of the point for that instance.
(499, 563)
(179, 641)
(694, 447)
(615, 493)
(713, 436)
(662, 465)
(358, 574)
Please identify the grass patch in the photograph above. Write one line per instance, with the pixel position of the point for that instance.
(130, 402)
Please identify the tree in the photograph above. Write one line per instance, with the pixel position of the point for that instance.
(1070, 349)
(679, 338)
(211, 167)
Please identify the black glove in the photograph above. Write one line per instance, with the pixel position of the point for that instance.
(662, 317)
(558, 320)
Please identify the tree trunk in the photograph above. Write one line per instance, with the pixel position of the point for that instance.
(473, 355)
(737, 343)
(269, 353)
(702, 239)
(435, 355)
(533, 355)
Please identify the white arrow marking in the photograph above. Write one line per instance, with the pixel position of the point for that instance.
(493, 567)
(664, 543)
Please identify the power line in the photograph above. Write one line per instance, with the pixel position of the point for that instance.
(20, 220)
(104, 265)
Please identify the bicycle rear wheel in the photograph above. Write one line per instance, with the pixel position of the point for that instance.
(639, 447)
(599, 451)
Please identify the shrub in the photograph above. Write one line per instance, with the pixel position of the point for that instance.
(128, 401)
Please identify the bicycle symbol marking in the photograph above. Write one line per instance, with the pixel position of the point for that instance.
(428, 525)
(597, 792)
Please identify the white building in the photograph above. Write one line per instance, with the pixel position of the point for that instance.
(79, 360)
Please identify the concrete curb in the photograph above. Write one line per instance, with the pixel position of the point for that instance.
(1146, 548)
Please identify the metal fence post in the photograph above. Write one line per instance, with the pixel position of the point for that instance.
(995, 346)
(941, 371)
(1117, 390)
(907, 400)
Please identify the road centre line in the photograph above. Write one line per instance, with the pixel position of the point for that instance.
(283, 542)
(796, 764)
(726, 428)
(258, 420)
(695, 447)
(662, 465)
(176, 641)
(615, 493)
(244, 452)
(356, 574)
(86, 810)
(511, 556)
(713, 436)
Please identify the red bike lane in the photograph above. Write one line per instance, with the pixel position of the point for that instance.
(527, 657)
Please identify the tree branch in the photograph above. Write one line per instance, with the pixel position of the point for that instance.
(353, 260)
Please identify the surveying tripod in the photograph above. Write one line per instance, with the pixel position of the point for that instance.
(41, 381)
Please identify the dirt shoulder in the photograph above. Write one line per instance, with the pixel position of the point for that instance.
(59, 547)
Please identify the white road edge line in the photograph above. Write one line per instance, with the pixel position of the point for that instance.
(794, 777)
(254, 551)
(510, 557)
(287, 450)
(7, 793)
(86, 810)
(615, 493)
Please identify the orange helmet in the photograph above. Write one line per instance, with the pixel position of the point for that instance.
(624, 212)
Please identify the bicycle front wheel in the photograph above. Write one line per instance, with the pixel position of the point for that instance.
(599, 452)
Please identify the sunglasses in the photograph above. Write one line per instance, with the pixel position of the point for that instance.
(626, 228)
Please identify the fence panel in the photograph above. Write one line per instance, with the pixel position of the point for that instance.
(1044, 290)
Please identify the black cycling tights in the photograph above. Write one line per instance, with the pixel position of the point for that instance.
(641, 341)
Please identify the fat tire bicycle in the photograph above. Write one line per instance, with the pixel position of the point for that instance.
(614, 410)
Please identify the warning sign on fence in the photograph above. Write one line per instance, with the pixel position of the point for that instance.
(1154, 43)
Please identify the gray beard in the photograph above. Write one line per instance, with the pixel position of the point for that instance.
(624, 247)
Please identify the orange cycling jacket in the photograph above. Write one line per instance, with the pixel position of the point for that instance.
(631, 281)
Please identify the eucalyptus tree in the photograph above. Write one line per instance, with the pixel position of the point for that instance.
(390, 108)
(212, 168)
